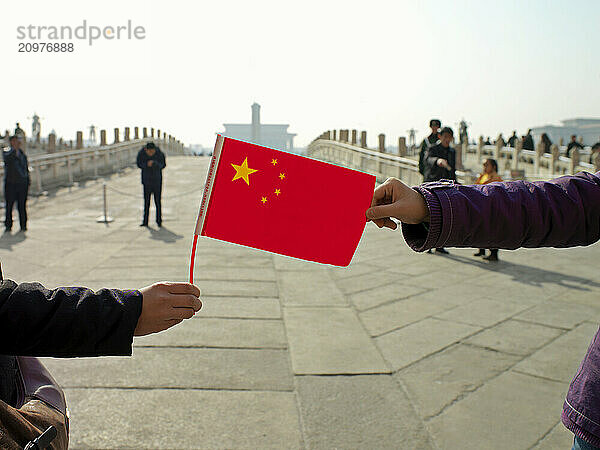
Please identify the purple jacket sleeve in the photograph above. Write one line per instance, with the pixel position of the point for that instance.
(564, 212)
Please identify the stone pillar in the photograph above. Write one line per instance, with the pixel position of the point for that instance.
(328, 135)
(574, 159)
(561, 141)
(126, 134)
(151, 132)
(353, 137)
(102, 137)
(480, 145)
(580, 140)
(517, 154)
(343, 135)
(51, 143)
(381, 138)
(136, 132)
(144, 132)
(555, 151)
(498, 149)
(334, 135)
(79, 140)
(401, 146)
(539, 151)
(116, 135)
(363, 139)
(461, 149)
(596, 160)
(158, 134)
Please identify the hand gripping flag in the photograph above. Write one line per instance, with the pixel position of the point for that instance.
(283, 203)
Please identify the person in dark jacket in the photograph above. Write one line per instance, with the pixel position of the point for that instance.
(440, 163)
(528, 141)
(429, 142)
(512, 141)
(74, 321)
(564, 212)
(573, 144)
(16, 182)
(546, 143)
(152, 161)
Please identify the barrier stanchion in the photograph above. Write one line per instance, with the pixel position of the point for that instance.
(105, 218)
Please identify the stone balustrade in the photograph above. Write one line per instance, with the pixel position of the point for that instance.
(61, 165)
(513, 163)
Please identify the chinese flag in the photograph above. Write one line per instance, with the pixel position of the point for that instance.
(284, 203)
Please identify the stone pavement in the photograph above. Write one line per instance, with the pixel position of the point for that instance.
(399, 350)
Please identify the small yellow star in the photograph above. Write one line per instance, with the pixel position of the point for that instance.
(243, 172)
(277, 191)
(282, 175)
(274, 161)
(263, 200)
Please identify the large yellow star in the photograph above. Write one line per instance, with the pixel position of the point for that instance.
(243, 172)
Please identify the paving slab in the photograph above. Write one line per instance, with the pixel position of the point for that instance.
(414, 342)
(167, 419)
(558, 438)
(437, 382)
(483, 313)
(241, 307)
(330, 341)
(379, 295)
(518, 338)
(392, 316)
(560, 359)
(511, 411)
(368, 281)
(178, 368)
(358, 412)
(561, 314)
(309, 288)
(220, 332)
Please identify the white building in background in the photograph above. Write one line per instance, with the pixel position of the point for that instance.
(588, 129)
(269, 135)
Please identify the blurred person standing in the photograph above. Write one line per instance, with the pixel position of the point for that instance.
(512, 141)
(489, 175)
(546, 143)
(573, 144)
(528, 141)
(429, 142)
(16, 182)
(152, 161)
(440, 163)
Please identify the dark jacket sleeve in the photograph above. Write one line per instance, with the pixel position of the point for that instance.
(564, 212)
(141, 159)
(160, 159)
(67, 321)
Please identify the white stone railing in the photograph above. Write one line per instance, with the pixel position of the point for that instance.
(382, 165)
(64, 168)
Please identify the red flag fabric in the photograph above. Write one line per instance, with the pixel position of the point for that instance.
(284, 203)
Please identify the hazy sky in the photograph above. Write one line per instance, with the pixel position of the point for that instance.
(382, 66)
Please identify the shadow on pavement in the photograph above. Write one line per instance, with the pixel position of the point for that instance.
(165, 235)
(530, 275)
(7, 239)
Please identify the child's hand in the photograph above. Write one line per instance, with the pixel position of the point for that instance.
(395, 199)
(166, 304)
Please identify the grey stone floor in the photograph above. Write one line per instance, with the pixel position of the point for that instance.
(399, 350)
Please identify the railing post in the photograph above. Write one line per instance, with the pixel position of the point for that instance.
(480, 145)
(334, 135)
(145, 132)
(353, 137)
(596, 160)
(574, 159)
(51, 143)
(363, 139)
(102, 138)
(498, 149)
(70, 171)
(554, 150)
(517, 154)
(461, 149)
(136, 132)
(126, 134)
(381, 138)
(539, 150)
(79, 140)
(116, 135)
(401, 146)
